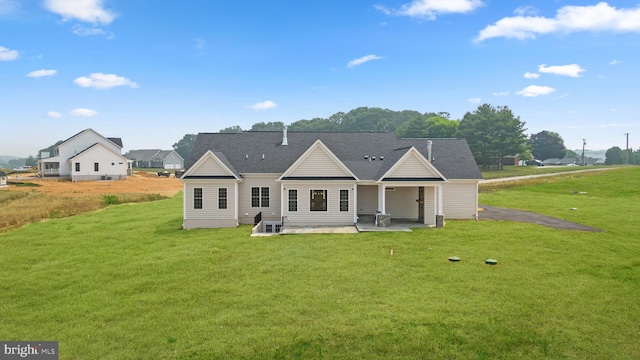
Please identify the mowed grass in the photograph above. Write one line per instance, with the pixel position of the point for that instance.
(126, 283)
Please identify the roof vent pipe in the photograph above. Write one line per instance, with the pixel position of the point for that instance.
(429, 145)
(284, 136)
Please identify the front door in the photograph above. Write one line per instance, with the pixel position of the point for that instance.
(420, 204)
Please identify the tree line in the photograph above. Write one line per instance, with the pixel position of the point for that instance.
(491, 132)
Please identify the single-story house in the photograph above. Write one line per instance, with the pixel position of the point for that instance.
(323, 178)
(86, 155)
(155, 158)
(3, 179)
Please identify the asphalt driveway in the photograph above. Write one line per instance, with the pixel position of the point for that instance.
(497, 213)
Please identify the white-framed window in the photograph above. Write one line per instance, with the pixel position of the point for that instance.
(260, 197)
(197, 198)
(318, 200)
(222, 198)
(344, 200)
(293, 200)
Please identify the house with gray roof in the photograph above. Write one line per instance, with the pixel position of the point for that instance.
(155, 158)
(86, 155)
(282, 179)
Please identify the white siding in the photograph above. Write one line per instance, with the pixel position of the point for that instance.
(110, 165)
(272, 213)
(209, 215)
(318, 163)
(333, 215)
(367, 199)
(173, 161)
(210, 167)
(412, 167)
(78, 144)
(430, 196)
(460, 200)
(401, 203)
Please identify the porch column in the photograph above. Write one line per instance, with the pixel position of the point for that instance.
(355, 203)
(440, 197)
(381, 198)
(235, 200)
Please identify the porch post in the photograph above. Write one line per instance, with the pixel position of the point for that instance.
(381, 198)
(235, 200)
(355, 203)
(440, 200)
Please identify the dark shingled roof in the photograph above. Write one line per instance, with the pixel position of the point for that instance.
(244, 152)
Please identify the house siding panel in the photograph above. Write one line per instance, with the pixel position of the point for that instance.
(367, 199)
(412, 167)
(209, 215)
(210, 167)
(333, 215)
(105, 158)
(401, 203)
(271, 213)
(318, 163)
(460, 200)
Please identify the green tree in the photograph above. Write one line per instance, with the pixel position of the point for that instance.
(493, 133)
(441, 127)
(433, 127)
(570, 154)
(185, 145)
(30, 161)
(614, 156)
(270, 126)
(418, 127)
(231, 129)
(547, 145)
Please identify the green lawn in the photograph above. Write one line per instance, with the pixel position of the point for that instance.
(126, 283)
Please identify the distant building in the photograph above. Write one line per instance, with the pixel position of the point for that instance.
(155, 158)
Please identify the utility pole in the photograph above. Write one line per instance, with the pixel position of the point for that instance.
(627, 161)
(584, 142)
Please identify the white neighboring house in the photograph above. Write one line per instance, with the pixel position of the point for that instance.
(86, 155)
(315, 178)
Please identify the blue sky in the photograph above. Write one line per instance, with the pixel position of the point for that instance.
(150, 71)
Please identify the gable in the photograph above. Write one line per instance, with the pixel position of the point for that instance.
(318, 162)
(96, 152)
(210, 166)
(412, 165)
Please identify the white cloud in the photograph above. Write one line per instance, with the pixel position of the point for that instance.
(430, 9)
(535, 91)
(612, 125)
(104, 81)
(7, 54)
(84, 31)
(569, 19)
(83, 112)
(525, 10)
(475, 100)
(263, 105)
(615, 62)
(54, 114)
(42, 73)
(90, 11)
(8, 6)
(503, 93)
(529, 75)
(572, 70)
(362, 60)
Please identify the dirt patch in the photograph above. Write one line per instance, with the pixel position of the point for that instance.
(498, 213)
(140, 182)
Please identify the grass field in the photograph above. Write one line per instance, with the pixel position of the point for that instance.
(126, 283)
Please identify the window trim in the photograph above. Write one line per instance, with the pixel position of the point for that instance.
(198, 198)
(223, 201)
(77, 167)
(344, 201)
(96, 166)
(260, 196)
(325, 203)
(291, 201)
